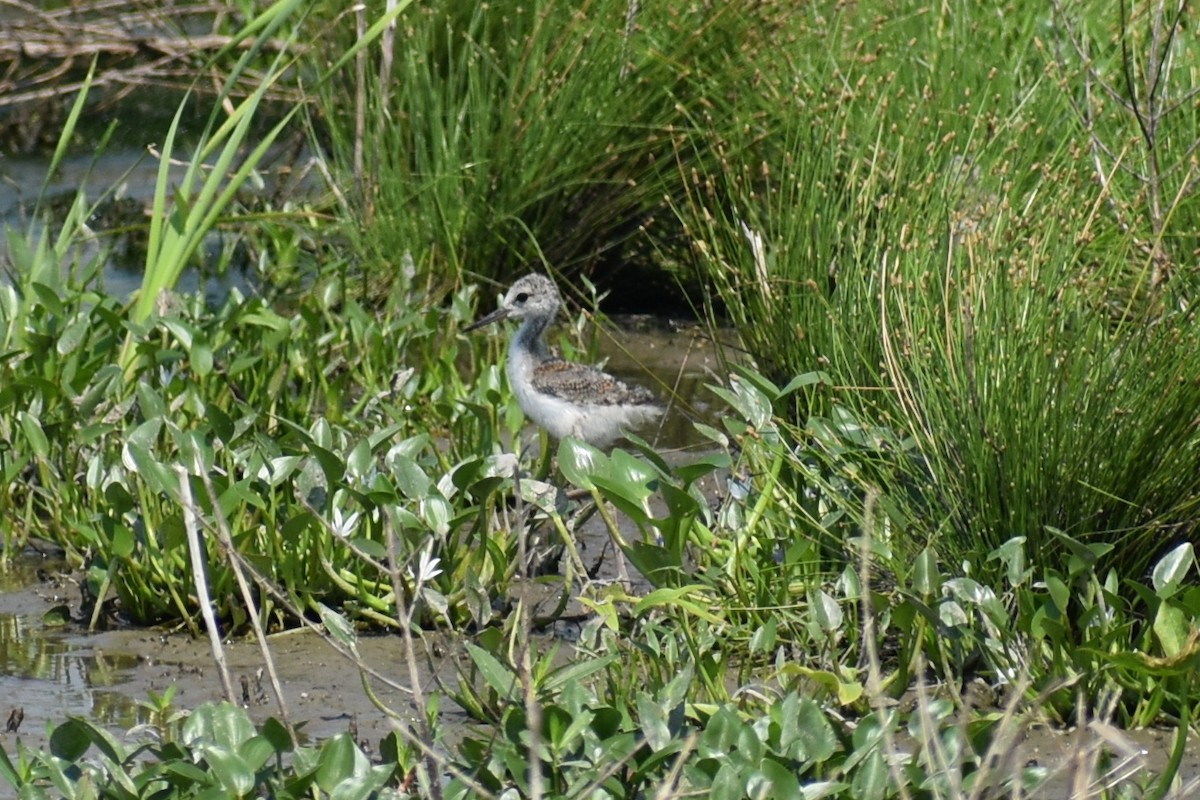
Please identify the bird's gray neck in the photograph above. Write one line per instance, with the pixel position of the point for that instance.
(531, 338)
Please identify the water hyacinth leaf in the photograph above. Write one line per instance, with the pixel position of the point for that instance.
(625, 467)
(1059, 593)
(827, 612)
(257, 751)
(750, 403)
(276, 733)
(804, 380)
(576, 671)
(1012, 555)
(281, 468)
(360, 461)
(926, 578)
(579, 461)
(1083, 556)
(436, 513)
(652, 719)
(1171, 570)
(759, 382)
(181, 330)
(951, 615)
(71, 740)
(123, 541)
(712, 434)
(200, 356)
(846, 691)
(34, 434)
(977, 594)
(158, 477)
(763, 639)
(331, 464)
(230, 769)
(628, 496)
(1172, 626)
(222, 423)
(678, 597)
(74, 335)
(338, 627)
(657, 564)
(48, 296)
(221, 723)
(648, 452)
(705, 465)
(771, 780)
(500, 678)
(339, 760)
(74, 732)
(410, 478)
(322, 434)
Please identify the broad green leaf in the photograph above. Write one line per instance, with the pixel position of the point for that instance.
(1171, 570)
(74, 334)
(71, 740)
(339, 760)
(1172, 627)
(926, 578)
(495, 674)
(227, 764)
(34, 434)
(652, 719)
(579, 461)
(338, 627)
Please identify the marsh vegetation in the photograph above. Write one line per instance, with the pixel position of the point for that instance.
(957, 247)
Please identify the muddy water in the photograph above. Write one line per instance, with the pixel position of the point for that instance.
(50, 673)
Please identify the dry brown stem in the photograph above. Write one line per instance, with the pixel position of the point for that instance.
(43, 54)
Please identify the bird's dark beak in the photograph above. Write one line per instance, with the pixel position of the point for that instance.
(497, 315)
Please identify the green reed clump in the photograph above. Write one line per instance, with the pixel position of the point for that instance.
(930, 233)
(538, 134)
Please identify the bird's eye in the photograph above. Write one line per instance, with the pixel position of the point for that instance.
(522, 297)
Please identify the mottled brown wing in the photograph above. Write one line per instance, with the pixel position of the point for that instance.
(578, 383)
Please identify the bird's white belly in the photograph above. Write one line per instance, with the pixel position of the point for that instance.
(594, 423)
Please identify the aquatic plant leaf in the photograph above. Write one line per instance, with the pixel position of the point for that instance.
(410, 478)
(230, 769)
(827, 612)
(579, 461)
(771, 780)
(1012, 555)
(71, 740)
(74, 335)
(630, 498)
(1172, 627)
(648, 451)
(814, 736)
(763, 638)
(277, 734)
(652, 718)
(1171, 570)
(679, 598)
(339, 760)
(806, 379)
(338, 627)
(926, 578)
(221, 723)
(34, 434)
(495, 674)
(705, 465)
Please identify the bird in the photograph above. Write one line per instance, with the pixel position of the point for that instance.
(564, 398)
